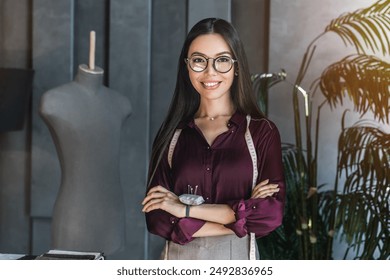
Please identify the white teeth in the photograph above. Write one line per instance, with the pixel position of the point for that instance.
(211, 84)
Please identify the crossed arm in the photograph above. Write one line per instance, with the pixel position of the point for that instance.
(215, 215)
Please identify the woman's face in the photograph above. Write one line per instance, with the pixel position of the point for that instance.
(211, 84)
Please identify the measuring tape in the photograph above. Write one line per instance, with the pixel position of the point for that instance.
(252, 152)
(172, 146)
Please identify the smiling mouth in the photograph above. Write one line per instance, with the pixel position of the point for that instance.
(211, 84)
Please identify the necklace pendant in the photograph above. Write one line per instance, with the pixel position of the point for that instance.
(211, 118)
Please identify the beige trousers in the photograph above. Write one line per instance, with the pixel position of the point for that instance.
(227, 247)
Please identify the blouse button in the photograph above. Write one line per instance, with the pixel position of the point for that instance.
(208, 168)
(254, 207)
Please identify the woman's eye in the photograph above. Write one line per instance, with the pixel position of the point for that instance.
(223, 59)
(198, 60)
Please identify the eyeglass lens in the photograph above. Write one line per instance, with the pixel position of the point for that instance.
(221, 64)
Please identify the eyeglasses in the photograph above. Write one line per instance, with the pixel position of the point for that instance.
(221, 64)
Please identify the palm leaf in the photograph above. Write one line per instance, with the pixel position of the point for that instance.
(365, 27)
(363, 207)
(260, 87)
(364, 79)
(261, 83)
(366, 149)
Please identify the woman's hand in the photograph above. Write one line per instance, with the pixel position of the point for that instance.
(160, 198)
(263, 189)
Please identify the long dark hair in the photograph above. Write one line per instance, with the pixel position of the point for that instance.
(185, 100)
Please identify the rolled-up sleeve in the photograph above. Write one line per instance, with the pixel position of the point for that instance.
(162, 223)
(263, 215)
(260, 216)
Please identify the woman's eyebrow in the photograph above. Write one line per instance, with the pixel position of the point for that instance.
(218, 54)
(224, 52)
(198, 53)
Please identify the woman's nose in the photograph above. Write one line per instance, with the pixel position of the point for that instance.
(210, 66)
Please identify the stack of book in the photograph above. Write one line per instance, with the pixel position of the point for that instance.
(70, 255)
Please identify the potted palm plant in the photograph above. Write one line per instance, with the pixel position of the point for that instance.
(356, 209)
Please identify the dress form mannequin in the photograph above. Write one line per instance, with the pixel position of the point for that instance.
(85, 120)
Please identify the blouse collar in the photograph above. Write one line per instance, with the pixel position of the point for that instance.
(237, 119)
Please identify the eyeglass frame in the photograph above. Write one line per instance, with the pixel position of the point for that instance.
(207, 62)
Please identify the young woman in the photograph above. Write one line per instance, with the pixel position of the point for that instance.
(216, 141)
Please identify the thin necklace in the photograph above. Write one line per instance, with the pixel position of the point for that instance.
(213, 118)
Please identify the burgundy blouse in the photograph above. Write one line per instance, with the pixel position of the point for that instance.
(223, 173)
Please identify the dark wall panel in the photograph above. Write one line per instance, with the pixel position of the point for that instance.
(52, 60)
(251, 18)
(129, 74)
(14, 194)
(168, 34)
(15, 33)
(15, 52)
(200, 9)
(91, 15)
